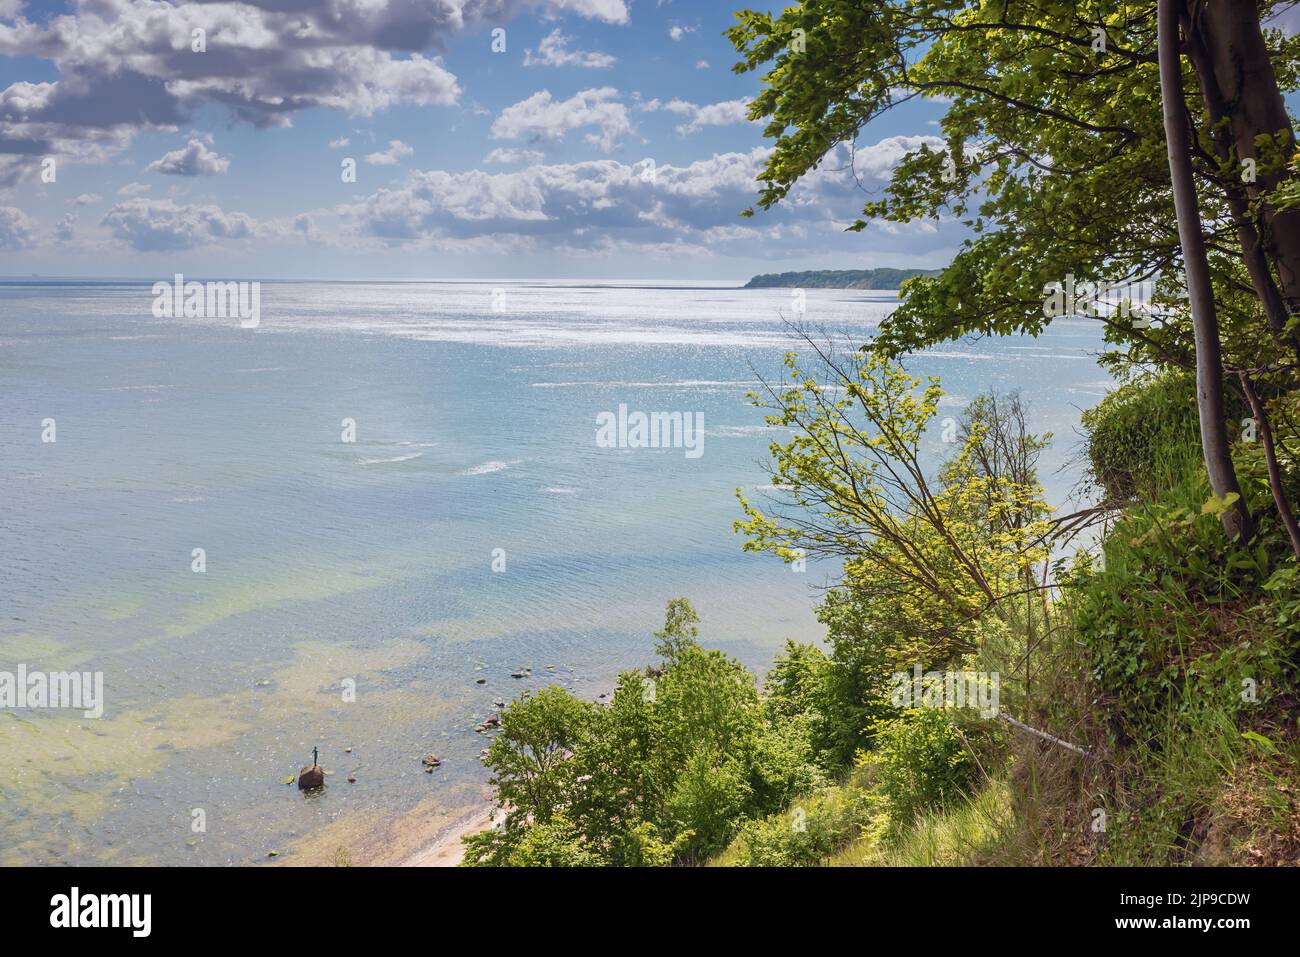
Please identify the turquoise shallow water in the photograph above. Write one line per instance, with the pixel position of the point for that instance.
(475, 407)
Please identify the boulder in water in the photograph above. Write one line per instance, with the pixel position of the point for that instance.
(311, 777)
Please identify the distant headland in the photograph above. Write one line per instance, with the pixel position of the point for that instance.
(884, 278)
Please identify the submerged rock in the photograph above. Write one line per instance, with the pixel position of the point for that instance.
(430, 761)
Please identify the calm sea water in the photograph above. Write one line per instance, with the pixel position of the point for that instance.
(372, 562)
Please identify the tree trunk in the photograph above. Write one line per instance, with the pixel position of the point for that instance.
(1239, 75)
(1205, 321)
(1275, 483)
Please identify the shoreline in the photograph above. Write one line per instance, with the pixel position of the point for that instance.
(447, 850)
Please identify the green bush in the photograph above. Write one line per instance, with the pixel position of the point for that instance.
(920, 763)
(1142, 432)
(806, 833)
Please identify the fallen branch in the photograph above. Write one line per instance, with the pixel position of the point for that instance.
(1045, 736)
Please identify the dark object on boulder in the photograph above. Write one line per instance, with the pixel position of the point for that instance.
(430, 761)
(311, 777)
(491, 721)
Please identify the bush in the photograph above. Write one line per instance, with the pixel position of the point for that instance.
(807, 833)
(920, 763)
(1178, 613)
(1140, 433)
(553, 843)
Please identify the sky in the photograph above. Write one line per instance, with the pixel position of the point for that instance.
(491, 139)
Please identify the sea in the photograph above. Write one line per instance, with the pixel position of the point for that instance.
(345, 529)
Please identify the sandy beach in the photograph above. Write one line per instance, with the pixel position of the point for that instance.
(448, 850)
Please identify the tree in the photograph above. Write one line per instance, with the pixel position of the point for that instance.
(532, 755)
(1209, 360)
(1055, 155)
(935, 552)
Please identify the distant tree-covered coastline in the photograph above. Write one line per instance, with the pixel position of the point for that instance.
(884, 278)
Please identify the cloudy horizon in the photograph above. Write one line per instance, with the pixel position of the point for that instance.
(385, 139)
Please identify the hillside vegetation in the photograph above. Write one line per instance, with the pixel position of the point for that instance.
(999, 683)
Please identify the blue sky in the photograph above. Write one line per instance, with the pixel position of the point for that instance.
(532, 162)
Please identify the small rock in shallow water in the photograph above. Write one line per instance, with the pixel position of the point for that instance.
(352, 779)
(431, 761)
(272, 853)
(480, 681)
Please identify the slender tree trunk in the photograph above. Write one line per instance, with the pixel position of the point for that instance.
(1205, 322)
(1270, 457)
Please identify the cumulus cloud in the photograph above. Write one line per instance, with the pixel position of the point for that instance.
(599, 204)
(151, 225)
(542, 118)
(65, 229)
(195, 159)
(396, 152)
(134, 189)
(554, 51)
(87, 199)
(130, 65)
(17, 231)
(339, 143)
(10, 9)
(677, 32)
(877, 160)
(508, 155)
(711, 114)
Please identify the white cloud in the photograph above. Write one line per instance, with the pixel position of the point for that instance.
(603, 204)
(712, 114)
(677, 32)
(542, 118)
(134, 189)
(510, 156)
(194, 160)
(161, 224)
(701, 64)
(339, 143)
(396, 152)
(17, 231)
(126, 65)
(87, 199)
(10, 9)
(553, 51)
(878, 160)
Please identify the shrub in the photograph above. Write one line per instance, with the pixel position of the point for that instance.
(1135, 431)
(806, 833)
(920, 763)
(1178, 613)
